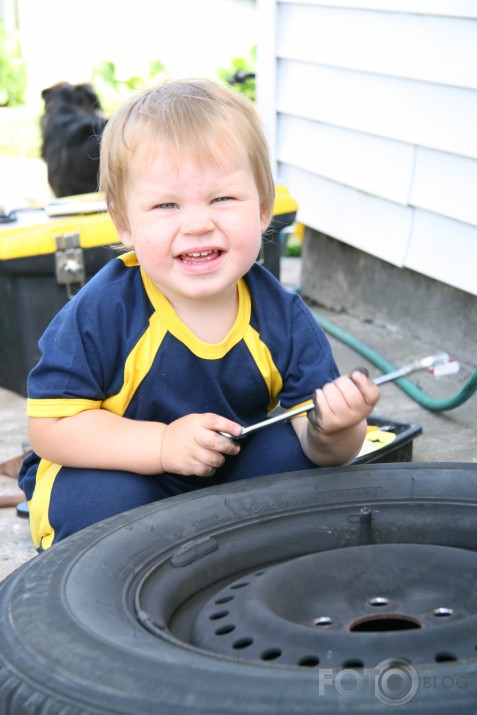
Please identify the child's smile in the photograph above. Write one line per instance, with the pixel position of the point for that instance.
(202, 258)
(199, 256)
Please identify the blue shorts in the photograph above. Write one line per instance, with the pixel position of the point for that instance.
(71, 499)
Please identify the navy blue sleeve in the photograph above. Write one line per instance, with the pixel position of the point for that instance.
(310, 362)
(84, 348)
(300, 349)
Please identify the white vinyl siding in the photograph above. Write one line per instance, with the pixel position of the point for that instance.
(371, 111)
(445, 184)
(353, 39)
(431, 115)
(448, 8)
(359, 219)
(444, 249)
(351, 158)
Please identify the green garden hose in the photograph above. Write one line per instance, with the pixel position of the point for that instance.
(430, 403)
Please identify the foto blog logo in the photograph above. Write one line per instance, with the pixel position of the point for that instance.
(393, 681)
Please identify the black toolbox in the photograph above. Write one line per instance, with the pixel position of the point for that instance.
(44, 260)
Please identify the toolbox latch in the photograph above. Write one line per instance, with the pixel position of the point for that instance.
(69, 262)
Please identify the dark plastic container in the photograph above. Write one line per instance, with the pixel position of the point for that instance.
(43, 262)
(284, 214)
(393, 441)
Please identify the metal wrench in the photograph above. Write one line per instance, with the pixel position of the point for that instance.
(423, 364)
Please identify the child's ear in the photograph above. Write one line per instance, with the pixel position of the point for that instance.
(125, 236)
(121, 225)
(265, 219)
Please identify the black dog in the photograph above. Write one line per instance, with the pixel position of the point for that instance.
(71, 129)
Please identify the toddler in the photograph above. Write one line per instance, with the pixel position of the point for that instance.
(184, 336)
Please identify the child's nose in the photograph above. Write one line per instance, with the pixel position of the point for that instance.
(197, 222)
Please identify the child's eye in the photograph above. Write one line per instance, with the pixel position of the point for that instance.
(219, 199)
(168, 205)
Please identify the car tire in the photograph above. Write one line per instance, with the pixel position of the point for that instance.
(105, 622)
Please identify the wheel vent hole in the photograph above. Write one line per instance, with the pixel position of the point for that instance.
(223, 630)
(309, 661)
(353, 664)
(242, 584)
(242, 643)
(224, 599)
(271, 654)
(219, 614)
(445, 657)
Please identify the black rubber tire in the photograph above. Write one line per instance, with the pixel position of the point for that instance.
(71, 641)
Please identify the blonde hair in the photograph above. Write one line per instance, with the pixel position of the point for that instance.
(194, 116)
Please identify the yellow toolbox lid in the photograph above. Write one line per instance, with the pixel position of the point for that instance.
(284, 203)
(34, 231)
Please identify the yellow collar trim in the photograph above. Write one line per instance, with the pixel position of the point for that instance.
(207, 351)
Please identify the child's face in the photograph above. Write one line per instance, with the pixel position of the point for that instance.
(195, 226)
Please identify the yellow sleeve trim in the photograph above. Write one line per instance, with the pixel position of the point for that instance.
(305, 405)
(60, 407)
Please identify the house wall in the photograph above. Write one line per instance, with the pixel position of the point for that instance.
(371, 112)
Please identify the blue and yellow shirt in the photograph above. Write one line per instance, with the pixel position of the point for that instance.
(119, 345)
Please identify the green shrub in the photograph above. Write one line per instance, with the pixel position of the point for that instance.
(237, 74)
(19, 133)
(113, 91)
(13, 73)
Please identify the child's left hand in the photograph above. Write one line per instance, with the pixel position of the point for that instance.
(343, 403)
(335, 430)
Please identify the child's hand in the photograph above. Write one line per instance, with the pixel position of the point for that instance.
(192, 444)
(343, 403)
(335, 430)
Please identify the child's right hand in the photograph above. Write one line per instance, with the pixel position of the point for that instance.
(193, 445)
